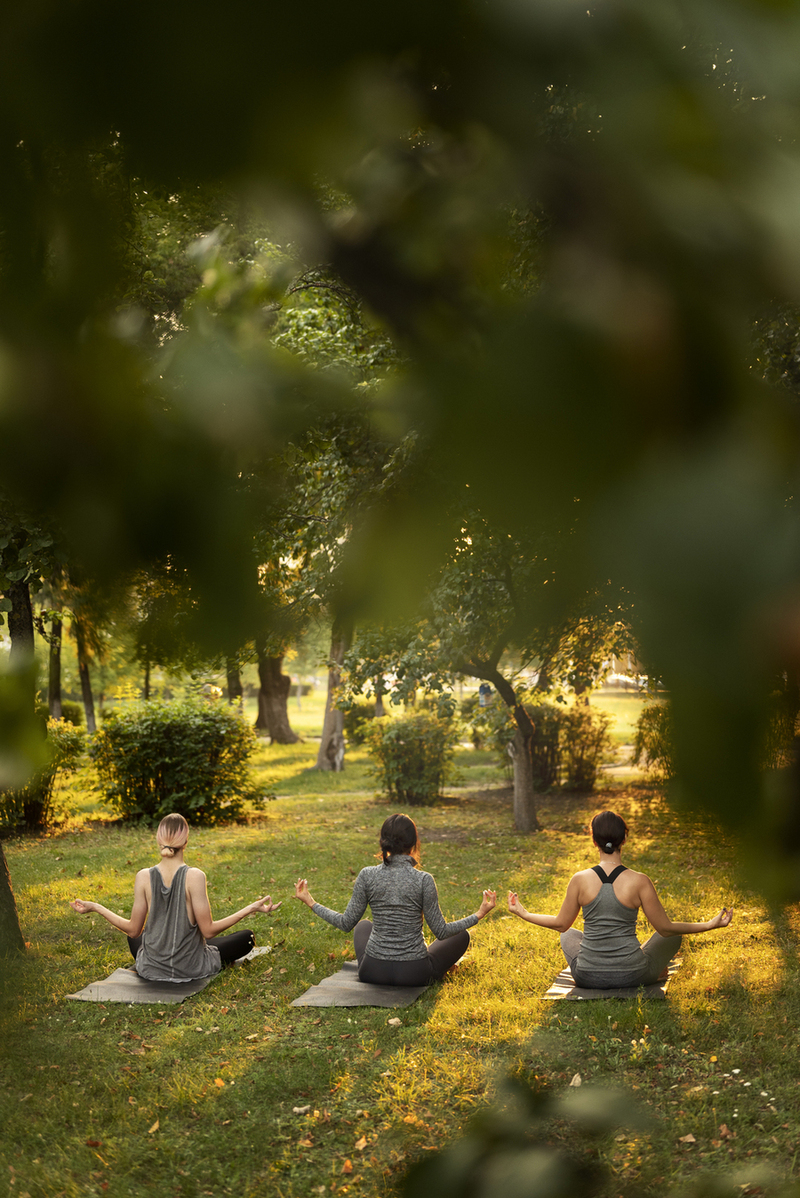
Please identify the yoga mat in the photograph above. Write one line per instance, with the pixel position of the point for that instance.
(343, 989)
(125, 985)
(564, 987)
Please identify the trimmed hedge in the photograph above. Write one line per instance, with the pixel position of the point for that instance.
(188, 755)
(414, 756)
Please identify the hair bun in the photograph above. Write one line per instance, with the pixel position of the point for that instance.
(609, 847)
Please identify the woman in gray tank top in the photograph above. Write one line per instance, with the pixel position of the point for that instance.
(390, 948)
(171, 932)
(607, 954)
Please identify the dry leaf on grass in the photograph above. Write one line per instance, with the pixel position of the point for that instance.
(219, 1082)
(687, 1139)
(395, 1022)
(577, 1080)
(347, 1167)
(361, 1144)
(155, 1127)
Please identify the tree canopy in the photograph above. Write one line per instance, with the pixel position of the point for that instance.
(579, 228)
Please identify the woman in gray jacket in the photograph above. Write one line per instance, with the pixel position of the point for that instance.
(390, 948)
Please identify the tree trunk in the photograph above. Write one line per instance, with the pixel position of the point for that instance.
(20, 627)
(146, 686)
(86, 682)
(380, 691)
(331, 749)
(54, 673)
(273, 697)
(525, 816)
(235, 689)
(10, 934)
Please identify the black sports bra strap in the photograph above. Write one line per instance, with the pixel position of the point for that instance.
(608, 878)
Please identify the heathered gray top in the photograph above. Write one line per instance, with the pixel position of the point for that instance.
(398, 895)
(173, 949)
(609, 942)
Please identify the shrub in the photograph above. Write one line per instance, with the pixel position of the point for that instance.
(32, 806)
(414, 756)
(71, 712)
(357, 719)
(187, 755)
(652, 741)
(494, 727)
(585, 740)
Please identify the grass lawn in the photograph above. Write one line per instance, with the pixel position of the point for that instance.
(235, 1092)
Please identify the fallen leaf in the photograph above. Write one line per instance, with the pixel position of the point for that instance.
(301, 1110)
(131, 1100)
(395, 1022)
(253, 1037)
(347, 1167)
(687, 1139)
(155, 1127)
(219, 1082)
(93, 1143)
(306, 1143)
(361, 1144)
(726, 1133)
(577, 1080)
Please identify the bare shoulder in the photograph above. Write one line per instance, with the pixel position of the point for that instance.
(195, 877)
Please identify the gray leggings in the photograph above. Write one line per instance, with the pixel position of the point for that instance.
(659, 951)
(441, 956)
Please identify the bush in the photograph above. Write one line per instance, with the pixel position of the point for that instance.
(357, 719)
(414, 756)
(652, 741)
(585, 740)
(187, 755)
(494, 727)
(71, 712)
(32, 806)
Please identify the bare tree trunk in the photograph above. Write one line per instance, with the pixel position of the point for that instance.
(10, 933)
(235, 689)
(54, 672)
(146, 686)
(331, 749)
(86, 682)
(526, 818)
(273, 698)
(20, 627)
(380, 691)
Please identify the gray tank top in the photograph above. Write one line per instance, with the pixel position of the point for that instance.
(609, 944)
(173, 949)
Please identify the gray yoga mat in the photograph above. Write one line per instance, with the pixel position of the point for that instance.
(125, 985)
(564, 987)
(343, 989)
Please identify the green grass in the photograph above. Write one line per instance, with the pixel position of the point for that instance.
(199, 1098)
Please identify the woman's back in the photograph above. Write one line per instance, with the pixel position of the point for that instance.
(173, 948)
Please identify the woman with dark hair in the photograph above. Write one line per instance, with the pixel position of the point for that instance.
(181, 941)
(607, 955)
(390, 948)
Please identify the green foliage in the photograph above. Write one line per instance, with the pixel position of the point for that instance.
(653, 746)
(414, 756)
(510, 1150)
(188, 756)
(585, 740)
(32, 805)
(71, 712)
(357, 717)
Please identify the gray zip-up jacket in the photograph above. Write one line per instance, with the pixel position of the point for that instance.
(399, 895)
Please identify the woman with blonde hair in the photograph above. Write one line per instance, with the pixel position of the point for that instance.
(171, 932)
(390, 948)
(607, 954)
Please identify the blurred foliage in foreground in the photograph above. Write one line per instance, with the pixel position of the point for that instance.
(581, 231)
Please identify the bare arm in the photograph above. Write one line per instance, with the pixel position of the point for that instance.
(197, 890)
(132, 926)
(559, 923)
(658, 918)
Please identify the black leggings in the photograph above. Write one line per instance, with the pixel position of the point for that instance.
(231, 947)
(441, 956)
